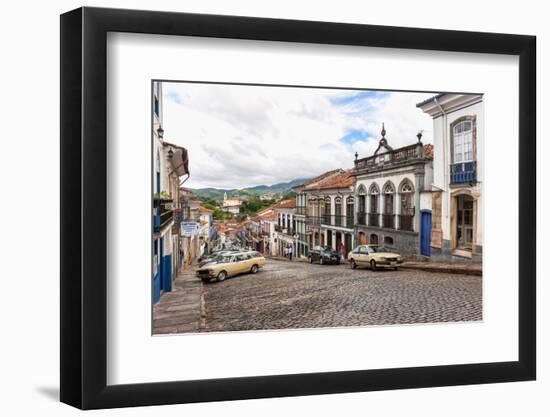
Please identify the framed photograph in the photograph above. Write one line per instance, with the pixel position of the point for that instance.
(260, 208)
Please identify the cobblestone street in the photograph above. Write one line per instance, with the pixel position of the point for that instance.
(299, 295)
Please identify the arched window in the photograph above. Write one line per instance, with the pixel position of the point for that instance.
(327, 211)
(388, 216)
(463, 150)
(374, 217)
(463, 141)
(362, 205)
(406, 194)
(350, 207)
(338, 211)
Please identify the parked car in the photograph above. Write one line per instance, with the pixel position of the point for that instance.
(231, 264)
(215, 255)
(374, 256)
(323, 255)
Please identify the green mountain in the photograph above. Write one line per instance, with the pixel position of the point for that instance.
(277, 190)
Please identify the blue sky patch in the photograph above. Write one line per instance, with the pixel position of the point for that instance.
(357, 97)
(355, 135)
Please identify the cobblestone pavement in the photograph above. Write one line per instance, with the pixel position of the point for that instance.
(299, 295)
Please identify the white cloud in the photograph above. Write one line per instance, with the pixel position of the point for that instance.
(240, 136)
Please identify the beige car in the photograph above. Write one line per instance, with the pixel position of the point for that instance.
(373, 256)
(229, 265)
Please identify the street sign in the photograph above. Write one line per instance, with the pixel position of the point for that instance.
(189, 228)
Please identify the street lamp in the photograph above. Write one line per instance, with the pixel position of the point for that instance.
(160, 132)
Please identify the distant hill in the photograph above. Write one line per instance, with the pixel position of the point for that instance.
(277, 190)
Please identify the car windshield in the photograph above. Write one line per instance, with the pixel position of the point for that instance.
(326, 249)
(377, 249)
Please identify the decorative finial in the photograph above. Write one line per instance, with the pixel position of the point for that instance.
(356, 156)
(419, 136)
(383, 130)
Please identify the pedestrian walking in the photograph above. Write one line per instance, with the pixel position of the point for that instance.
(290, 253)
(343, 250)
(285, 251)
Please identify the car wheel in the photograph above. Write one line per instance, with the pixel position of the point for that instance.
(373, 265)
(353, 264)
(222, 276)
(254, 269)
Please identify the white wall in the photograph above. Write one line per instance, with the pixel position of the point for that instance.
(442, 160)
(29, 360)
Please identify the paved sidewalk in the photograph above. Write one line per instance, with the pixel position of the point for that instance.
(445, 267)
(182, 309)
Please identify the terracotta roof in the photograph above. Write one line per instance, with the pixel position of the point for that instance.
(284, 204)
(338, 178)
(270, 216)
(429, 150)
(204, 210)
(317, 178)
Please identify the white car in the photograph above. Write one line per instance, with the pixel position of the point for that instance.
(373, 256)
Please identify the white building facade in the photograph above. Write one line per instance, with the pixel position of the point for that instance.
(457, 198)
(231, 204)
(393, 197)
(325, 207)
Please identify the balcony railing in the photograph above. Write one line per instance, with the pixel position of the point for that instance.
(286, 230)
(162, 213)
(388, 221)
(463, 172)
(337, 220)
(313, 221)
(397, 156)
(406, 222)
(362, 218)
(374, 219)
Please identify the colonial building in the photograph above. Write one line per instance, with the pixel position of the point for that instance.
(392, 194)
(170, 164)
(231, 204)
(190, 227)
(457, 199)
(286, 227)
(325, 207)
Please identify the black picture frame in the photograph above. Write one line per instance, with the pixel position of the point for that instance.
(84, 207)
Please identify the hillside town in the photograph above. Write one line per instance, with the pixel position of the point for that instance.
(420, 201)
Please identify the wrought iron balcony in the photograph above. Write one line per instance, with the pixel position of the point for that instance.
(374, 219)
(463, 172)
(362, 218)
(337, 220)
(163, 213)
(388, 221)
(406, 222)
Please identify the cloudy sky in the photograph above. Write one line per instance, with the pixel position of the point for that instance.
(241, 136)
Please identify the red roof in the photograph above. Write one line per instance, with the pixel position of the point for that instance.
(285, 204)
(337, 178)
